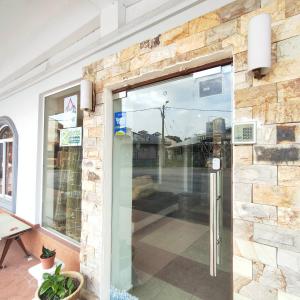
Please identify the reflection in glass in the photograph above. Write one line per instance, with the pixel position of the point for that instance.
(161, 167)
(8, 169)
(62, 169)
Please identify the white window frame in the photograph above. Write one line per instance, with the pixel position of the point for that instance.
(40, 171)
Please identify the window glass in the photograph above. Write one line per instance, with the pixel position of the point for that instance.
(62, 164)
(6, 166)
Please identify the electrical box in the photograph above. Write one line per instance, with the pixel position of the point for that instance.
(244, 133)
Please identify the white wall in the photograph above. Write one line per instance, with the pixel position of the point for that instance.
(25, 109)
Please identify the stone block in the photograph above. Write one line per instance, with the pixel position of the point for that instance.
(240, 61)
(129, 53)
(283, 196)
(190, 43)
(242, 229)
(289, 259)
(266, 134)
(237, 41)
(288, 90)
(255, 212)
(255, 96)
(292, 8)
(237, 9)
(242, 192)
(243, 114)
(277, 236)
(221, 32)
(292, 280)
(203, 23)
(243, 80)
(289, 217)
(261, 174)
(257, 291)
(237, 296)
(242, 266)
(289, 175)
(285, 296)
(268, 276)
(175, 34)
(289, 48)
(285, 154)
(242, 154)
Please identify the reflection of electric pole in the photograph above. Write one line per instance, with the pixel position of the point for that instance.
(163, 116)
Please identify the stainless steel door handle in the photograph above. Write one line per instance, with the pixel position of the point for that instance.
(213, 224)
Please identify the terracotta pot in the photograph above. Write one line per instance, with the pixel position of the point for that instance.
(47, 263)
(72, 274)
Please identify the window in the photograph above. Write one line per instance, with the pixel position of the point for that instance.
(8, 159)
(62, 164)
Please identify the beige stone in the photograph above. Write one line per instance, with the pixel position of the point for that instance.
(289, 217)
(243, 114)
(242, 155)
(203, 23)
(292, 8)
(190, 43)
(285, 296)
(289, 91)
(242, 80)
(289, 48)
(175, 34)
(237, 9)
(271, 113)
(242, 192)
(129, 53)
(255, 96)
(255, 212)
(237, 41)
(242, 266)
(242, 229)
(255, 251)
(283, 196)
(266, 135)
(240, 61)
(221, 31)
(255, 174)
(289, 176)
(285, 29)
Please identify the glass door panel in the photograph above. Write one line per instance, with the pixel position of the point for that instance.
(171, 221)
(1, 169)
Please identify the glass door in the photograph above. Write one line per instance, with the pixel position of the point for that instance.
(171, 214)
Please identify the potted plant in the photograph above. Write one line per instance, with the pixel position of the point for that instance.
(60, 285)
(47, 258)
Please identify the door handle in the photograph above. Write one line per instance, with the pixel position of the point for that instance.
(214, 221)
(213, 225)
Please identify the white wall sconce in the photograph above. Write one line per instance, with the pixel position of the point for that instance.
(260, 45)
(86, 95)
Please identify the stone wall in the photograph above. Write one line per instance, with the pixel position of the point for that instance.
(266, 202)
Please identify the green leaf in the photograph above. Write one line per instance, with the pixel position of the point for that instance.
(44, 287)
(46, 276)
(57, 270)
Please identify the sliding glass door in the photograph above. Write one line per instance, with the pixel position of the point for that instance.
(171, 214)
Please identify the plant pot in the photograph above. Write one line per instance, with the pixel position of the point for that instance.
(72, 274)
(47, 263)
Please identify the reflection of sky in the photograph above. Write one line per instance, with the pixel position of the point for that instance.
(185, 113)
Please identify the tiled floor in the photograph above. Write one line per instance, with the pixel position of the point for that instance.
(15, 281)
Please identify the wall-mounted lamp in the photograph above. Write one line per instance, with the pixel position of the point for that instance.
(259, 45)
(86, 95)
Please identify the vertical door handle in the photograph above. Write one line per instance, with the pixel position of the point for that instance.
(213, 224)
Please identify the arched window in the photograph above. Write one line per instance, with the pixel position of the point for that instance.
(8, 159)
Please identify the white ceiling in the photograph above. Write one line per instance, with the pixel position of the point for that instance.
(28, 28)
